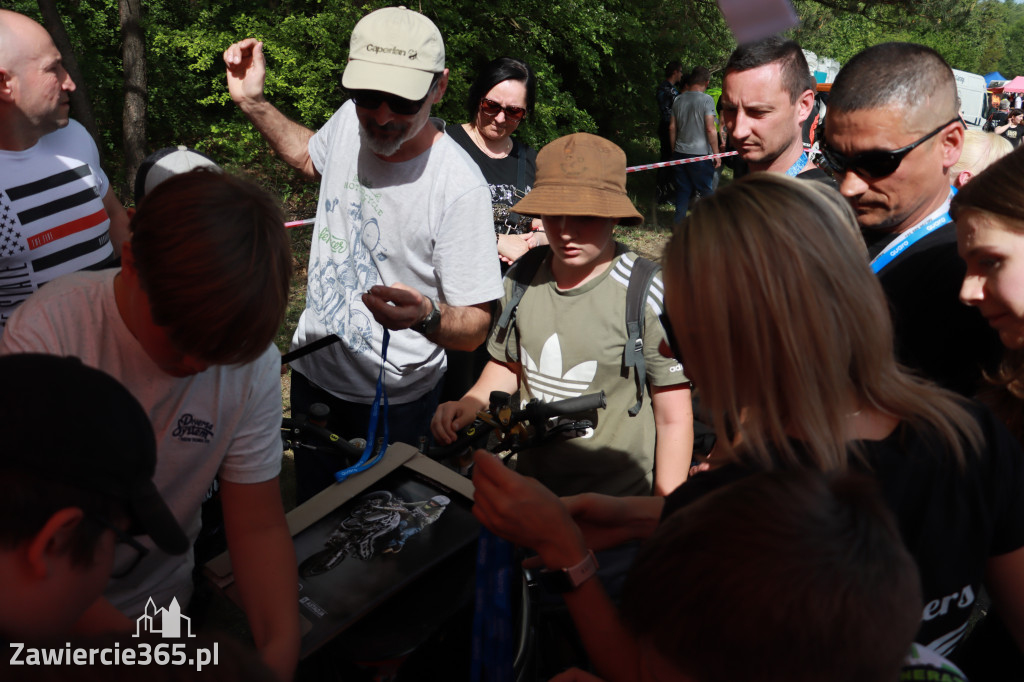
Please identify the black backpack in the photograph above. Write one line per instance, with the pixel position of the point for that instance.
(640, 279)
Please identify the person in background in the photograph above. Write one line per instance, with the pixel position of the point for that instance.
(692, 133)
(981, 150)
(665, 95)
(1012, 129)
(60, 213)
(767, 94)
(501, 96)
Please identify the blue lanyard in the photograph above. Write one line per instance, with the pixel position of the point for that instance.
(379, 400)
(492, 613)
(795, 169)
(907, 239)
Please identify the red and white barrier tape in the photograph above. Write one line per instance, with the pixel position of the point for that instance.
(678, 162)
(631, 169)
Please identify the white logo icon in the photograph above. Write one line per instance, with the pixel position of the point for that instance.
(171, 620)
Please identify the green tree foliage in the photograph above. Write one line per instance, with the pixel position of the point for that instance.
(969, 34)
(597, 61)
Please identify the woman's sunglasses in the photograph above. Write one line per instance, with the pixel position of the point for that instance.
(492, 108)
(876, 163)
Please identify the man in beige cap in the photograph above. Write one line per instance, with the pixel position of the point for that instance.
(570, 332)
(403, 232)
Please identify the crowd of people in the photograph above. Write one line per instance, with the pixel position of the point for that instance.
(854, 342)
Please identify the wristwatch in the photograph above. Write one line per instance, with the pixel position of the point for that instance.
(564, 580)
(432, 322)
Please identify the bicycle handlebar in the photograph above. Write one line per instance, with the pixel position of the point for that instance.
(558, 408)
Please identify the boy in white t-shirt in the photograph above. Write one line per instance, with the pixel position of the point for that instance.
(187, 326)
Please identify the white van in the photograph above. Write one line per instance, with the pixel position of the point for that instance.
(973, 97)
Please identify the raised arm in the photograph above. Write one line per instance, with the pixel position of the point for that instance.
(246, 74)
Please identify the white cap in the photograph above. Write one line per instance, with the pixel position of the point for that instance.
(166, 162)
(394, 50)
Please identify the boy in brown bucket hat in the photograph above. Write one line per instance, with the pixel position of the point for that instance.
(568, 334)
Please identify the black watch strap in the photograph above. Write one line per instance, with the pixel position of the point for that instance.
(432, 322)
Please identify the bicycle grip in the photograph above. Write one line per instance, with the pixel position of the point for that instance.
(557, 408)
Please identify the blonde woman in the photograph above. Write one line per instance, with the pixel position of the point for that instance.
(785, 330)
(981, 150)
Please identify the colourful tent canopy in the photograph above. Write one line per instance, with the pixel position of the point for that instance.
(994, 76)
(1016, 85)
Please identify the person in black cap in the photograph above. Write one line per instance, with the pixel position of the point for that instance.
(76, 479)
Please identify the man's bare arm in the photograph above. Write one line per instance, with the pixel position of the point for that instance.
(246, 74)
(118, 229)
(712, 134)
(402, 307)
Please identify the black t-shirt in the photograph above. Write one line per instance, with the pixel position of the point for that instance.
(951, 521)
(1013, 134)
(502, 176)
(936, 334)
(999, 118)
(818, 175)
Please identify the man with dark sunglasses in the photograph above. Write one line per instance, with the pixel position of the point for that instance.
(890, 151)
(403, 238)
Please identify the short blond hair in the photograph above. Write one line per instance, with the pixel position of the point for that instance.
(785, 329)
(980, 151)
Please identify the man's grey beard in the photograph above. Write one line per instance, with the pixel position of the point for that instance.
(379, 147)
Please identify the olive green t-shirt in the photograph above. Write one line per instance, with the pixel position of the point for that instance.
(570, 344)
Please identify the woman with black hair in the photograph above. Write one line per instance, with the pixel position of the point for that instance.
(499, 99)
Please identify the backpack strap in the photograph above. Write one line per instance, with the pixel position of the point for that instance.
(521, 274)
(640, 279)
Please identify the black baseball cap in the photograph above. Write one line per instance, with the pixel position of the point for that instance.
(63, 421)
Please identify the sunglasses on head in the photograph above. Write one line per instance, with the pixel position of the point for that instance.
(876, 163)
(492, 108)
(372, 99)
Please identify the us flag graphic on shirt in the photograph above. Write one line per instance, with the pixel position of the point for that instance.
(49, 227)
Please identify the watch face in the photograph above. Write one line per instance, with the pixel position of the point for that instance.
(556, 582)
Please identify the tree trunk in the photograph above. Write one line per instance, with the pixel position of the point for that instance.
(80, 103)
(134, 59)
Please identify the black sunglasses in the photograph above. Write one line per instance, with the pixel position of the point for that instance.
(372, 99)
(876, 163)
(492, 108)
(673, 345)
(122, 539)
